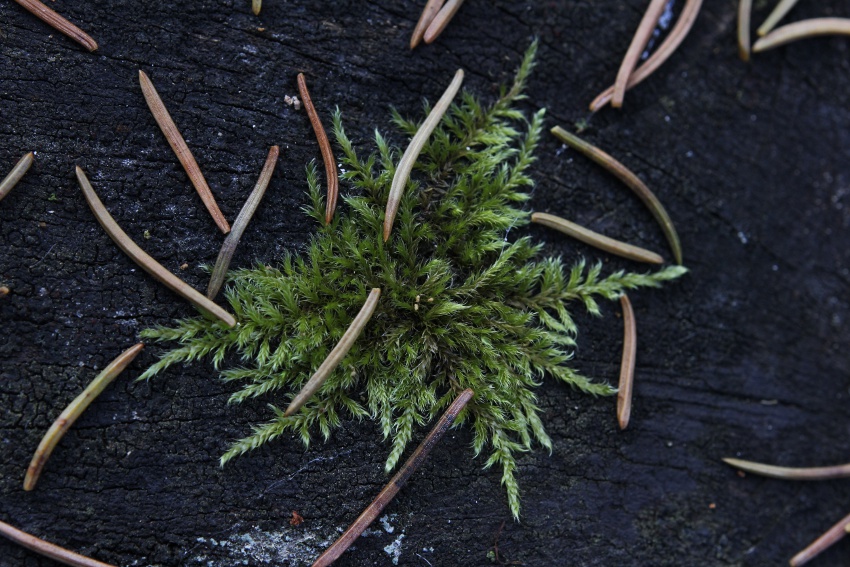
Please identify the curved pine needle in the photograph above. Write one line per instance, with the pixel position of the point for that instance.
(411, 154)
(337, 354)
(140, 257)
(803, 30)
(627, 366)
(632, 181)
(57, 22)
(745, 10)
(184, 154)
(398, 481)
(638, 44)
(780, 11)
(256, 5)
(15, 175)
(74, 410)
(441, 20)
(46, 549)
(791, 473)
(225, 255)
(324, 146)
(672, 42)
(432, 7)
(830, 537)
(598, 240)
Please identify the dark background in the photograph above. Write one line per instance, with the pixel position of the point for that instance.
(747, 356)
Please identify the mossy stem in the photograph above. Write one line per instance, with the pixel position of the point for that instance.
(432, 7)
(74, 410)
(802, 30)
(337, 354)
(627, 365)
(631, 181)
(791, 473)
(324, 146)
(140, 257)
(184, 154)
(58, 23)
(675, 38)
(829, 538)
(639, 41)
(441, 20)
(597, 240)
(411, 154)
(398, 481)
(780, 11)
(47, 549)
(225, 255)
(15, 175)
(745, 11)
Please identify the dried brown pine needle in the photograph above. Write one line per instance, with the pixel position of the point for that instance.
(53, 551)
(631, 181)
(780, 11)
(411, 154)
(745, 10)
(74, 410)
(142, 258)
(441, 20)
(675, 38)
(598, 240)
(324, 146)
(225, 255)
(15, 175)
(59, 23)
(803, 30)
(791, 473)
(638, 44)
(337, 354)
(398, 481)
(627, 366)
(832, 536)
(432, 7)
(256, 5)
(184, 155)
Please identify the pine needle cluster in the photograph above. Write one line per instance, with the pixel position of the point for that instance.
(461, 305)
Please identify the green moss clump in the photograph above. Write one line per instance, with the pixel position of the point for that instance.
(461, 306)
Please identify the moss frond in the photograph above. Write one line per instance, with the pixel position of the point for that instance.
(462, 306)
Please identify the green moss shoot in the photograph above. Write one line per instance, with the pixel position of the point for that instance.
(461, 306)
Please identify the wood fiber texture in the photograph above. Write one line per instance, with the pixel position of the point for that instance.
(746, 356)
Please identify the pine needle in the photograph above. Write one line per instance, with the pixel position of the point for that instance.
(631, 181)
(15, 175)
(745, 9)
(181, 150)
(140, 257)
(670, 44)
(832, 536)
(74, 410)
(396, 483)
(58, 23)
(405, 166)
(638, 44)
(337, 354)
(627, 365)
(441, 20)
(597, 240)
(46, 549)
(324, 146)
(432, 7)
(780, 11)
(225, 255)
(791, 473)
(256, 5)
(803, 30)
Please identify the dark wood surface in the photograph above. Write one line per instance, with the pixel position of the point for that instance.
(747, 356)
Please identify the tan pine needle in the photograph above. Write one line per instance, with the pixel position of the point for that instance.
(57, 22)
(638, 44)
(15, 175)
(803, 30)
(627, 366)
(46, 549)
(325, 147)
